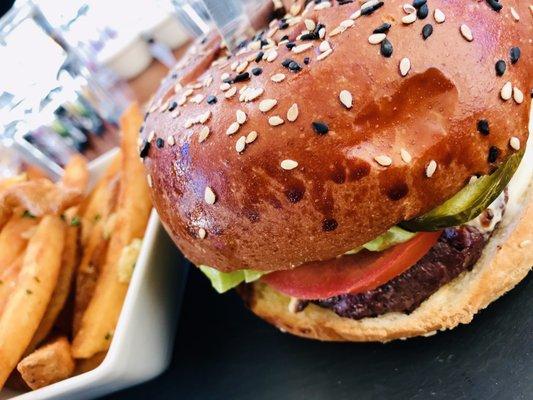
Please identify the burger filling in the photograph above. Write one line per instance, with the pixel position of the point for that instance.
(400, 269)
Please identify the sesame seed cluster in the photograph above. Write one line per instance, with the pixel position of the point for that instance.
(254, 95)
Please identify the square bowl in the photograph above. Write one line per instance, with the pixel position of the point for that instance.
(144, 337)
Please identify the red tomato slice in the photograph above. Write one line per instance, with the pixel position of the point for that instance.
(351, 273)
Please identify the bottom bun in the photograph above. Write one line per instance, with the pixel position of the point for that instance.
(505, 261)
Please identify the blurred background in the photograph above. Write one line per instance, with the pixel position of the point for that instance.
(70, 68)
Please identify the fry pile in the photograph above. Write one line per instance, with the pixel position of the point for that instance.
(66, 259)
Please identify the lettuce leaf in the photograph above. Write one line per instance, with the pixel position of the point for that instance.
(224, 281)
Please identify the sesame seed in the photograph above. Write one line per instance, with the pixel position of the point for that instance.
(518, 96)
(294, 66)
(209, 196)
(203, 134)
(250, 138)
(483, 127)
(383, 28)
(507, 91)
(292, 112)
(408, 8)
(419, 3)
(233, 128)
(211, 99)
(514, 142)
(409, 18)
(149, 180)
(188, 92)
(182, 100)
(225, 86)
(240, 144)
(288, 164)
(310, 24)
(197, 99)
(494, 5)
(151, 136)
(275, 120)
(347, 23)
(224, 76)
(523, 244)
(267, 105)
(336, 31)
(241, 117)
(346, 98)
(320, 128)
(431, 168)
(427, 30)
(257, 71)
(466, 32)
(244, 76)
(159, 143)
(514, 54)
(234, 65)
(272, 55)
(355, 15)
(202, 233)
(494, 153)
(439, 16)
(145, 147)
(230, 93)
(324, 54)
(241, 67)
(422, 12)
(405, 66)
(322, 33)
(376, 38)
(515, 15)
(324, 46)
(406, 157)
(171, 141)
(386, 48)
(322, 6)
(383, 160)
(277, 78)
(172, 106)
(301, 48)
(500, 67)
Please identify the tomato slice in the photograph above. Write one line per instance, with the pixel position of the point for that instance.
(351, 273)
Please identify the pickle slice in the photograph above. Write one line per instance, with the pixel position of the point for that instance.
(469, 202)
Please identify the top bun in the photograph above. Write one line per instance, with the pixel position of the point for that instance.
(348, 141)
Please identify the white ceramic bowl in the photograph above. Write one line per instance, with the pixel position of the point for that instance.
(143, 341)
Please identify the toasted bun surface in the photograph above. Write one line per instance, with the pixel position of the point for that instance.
(265, 217)
(505, 262)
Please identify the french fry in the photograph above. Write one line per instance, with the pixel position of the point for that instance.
(101, 201)
(100, 319)
(7, 183)
(88, 364)
(76, 174)
(69, 261)
(13, 238)
(8, 279)
(48, 364)
(27, 303)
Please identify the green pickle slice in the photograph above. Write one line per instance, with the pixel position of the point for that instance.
(469, 202)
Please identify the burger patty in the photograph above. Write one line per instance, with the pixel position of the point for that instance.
(457, 250)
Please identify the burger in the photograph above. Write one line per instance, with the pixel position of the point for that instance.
(358, 171)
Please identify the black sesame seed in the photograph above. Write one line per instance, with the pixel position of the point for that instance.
(317, 28)
(320, 128)
(494, 5)
(419, 3)
(285, 37)
(294, 66)
(242, 77)
(227, 80)
(264, 42)
(290, 45)
(145, 147)
(329, 224)
(283, 25)
(514, 54)
(286, 62)
(422, 12)
(309, 36)
(257, 71)
(159, 143)
(142, 129)
(386, 48)
(211, 99)
(494, 153)
(427, 30)
(307, 60)
(344, 2)
(383, 28)
(172, 106)
(146, 115)
(483, 127)
(500, 67)
(259, 56)
(370, 10)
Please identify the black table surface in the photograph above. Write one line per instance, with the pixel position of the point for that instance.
(223, 351)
